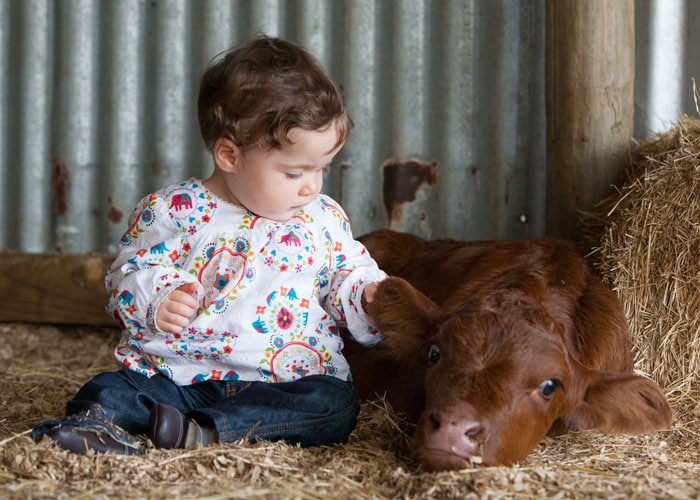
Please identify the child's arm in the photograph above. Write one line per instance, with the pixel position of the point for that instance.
(145, 281)
(354, 277)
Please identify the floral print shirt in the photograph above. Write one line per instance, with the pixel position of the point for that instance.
(272, 295)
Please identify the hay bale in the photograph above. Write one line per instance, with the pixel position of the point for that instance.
(649, 252)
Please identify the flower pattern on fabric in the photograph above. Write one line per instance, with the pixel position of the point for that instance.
(330, 206)
(295, 360)
(142, 218)
(189, 206)
(272, 295)
(221, 271)
(198, 345)
(289, 249)
(283, 311)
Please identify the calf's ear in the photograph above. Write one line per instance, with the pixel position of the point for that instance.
(623, 403)
(404, 315)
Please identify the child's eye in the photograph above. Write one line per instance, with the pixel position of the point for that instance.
(293, 175)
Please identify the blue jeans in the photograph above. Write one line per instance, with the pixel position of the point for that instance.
(312, 411)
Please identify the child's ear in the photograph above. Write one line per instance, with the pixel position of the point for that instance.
(226, 155)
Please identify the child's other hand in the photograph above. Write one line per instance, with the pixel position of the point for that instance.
(177, 308)
(369, 291)
(368, 294)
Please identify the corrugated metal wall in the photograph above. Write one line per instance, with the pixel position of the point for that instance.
(99, 97)
(98, 108)
(667, 59)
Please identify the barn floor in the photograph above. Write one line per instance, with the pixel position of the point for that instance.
(43, 366)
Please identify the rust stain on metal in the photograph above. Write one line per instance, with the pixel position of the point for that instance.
(401, 180)
(59, 187)
(114, 215)
(161, 169)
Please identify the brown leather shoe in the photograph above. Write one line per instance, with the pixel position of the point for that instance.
(81, 441)
(168, 428)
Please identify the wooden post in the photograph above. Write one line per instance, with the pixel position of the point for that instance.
(54, 288)
(589, 100)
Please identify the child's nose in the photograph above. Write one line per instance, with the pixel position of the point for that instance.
(312, 185)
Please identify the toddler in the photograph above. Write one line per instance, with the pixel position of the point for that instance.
(231, 291)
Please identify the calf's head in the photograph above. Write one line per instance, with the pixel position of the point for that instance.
(498, 376)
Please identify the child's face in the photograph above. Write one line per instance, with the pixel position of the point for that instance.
(275, 183)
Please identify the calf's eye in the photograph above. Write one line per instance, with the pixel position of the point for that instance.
(548, 387)
(433, 355)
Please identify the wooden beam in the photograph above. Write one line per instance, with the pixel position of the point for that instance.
(589, 101)
(54, 288)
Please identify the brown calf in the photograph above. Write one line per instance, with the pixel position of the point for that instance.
(491, 345)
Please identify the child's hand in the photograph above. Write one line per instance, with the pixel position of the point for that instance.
(368, 294)
(177, 308)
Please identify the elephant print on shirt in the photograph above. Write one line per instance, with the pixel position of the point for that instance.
(181, 201)
(290, 248)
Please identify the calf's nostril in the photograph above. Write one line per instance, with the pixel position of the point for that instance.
(474, 430)
(435, 419)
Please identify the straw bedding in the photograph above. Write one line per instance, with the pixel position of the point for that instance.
(648, 253)
(43, 366)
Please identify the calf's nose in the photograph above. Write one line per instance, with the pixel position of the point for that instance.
(451, 438)
(458, 425)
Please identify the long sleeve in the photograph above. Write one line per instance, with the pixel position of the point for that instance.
(351, 269)
(147, 267)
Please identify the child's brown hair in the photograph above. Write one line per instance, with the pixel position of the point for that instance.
(254, 94)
